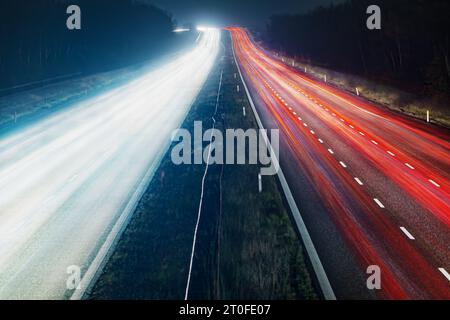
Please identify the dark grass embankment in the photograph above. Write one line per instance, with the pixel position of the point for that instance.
(384, 96)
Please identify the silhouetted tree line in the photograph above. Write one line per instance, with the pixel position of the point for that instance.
(411, 49)
(36, 44)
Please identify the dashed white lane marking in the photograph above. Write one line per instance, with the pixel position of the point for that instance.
(445, 273)
(333, 114)
(312, 131)
(294, 113)
(392, 154)
(379, 203)
(434, 183)
(407, 233)
(409, 166)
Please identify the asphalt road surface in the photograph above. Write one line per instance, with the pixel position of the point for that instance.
(374, 186)
(67, 181)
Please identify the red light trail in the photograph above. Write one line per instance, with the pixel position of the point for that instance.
(384, 178)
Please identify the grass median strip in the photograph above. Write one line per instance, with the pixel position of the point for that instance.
(247, 247)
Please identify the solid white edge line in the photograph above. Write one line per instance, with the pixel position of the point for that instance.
(322, 277)
(407, 233)
(445, 273)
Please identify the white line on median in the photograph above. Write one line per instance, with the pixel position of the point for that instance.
(200, 205)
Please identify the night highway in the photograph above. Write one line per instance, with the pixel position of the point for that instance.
(225, 159)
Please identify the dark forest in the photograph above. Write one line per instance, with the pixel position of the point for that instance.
(411, 51)
(36, 44)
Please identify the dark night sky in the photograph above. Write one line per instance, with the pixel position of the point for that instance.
(238, 12)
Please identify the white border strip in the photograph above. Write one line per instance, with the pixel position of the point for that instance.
(324, 283)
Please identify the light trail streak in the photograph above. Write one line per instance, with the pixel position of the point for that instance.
(64, 181)
(359, 135)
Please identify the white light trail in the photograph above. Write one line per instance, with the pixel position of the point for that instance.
(64, 181)
(177, 30)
